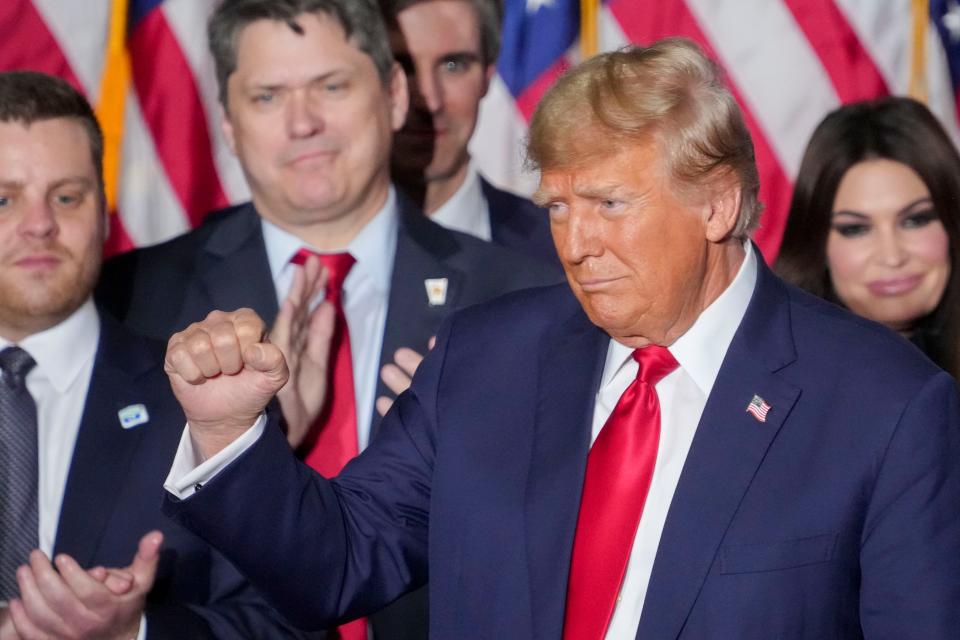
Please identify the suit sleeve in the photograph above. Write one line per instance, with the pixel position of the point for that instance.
(910, 549)
(324, 551)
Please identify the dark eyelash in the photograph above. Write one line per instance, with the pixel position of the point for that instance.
(851, 230)
(928, 215)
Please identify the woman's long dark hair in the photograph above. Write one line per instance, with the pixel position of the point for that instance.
(898, 129)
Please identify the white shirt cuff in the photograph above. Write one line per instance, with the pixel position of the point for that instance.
(190, 471)
(142, 634)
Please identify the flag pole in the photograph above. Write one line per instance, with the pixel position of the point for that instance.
(588, 28)
(113, 93)
(920, 14)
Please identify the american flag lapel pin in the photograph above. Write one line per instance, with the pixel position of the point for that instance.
(436, 291)
(758, 408)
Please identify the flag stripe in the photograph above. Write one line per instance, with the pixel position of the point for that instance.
(943, 92)
(187, 20)
(528, 100)
(670, 17)
(174, 113)
(140, 9)
(29, 44)
(148, 203)
(854, 74)
(497, 143)
(82, 46)
(787, 105)
(119, 240)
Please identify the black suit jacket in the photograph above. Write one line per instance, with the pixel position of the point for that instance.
(223, 265)
(518, 224)
(113, 495)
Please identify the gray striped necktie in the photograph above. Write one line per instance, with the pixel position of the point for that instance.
(19, 474)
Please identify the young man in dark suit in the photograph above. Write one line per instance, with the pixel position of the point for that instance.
(675, 445)
(87, 420)
(449, 48)
(311, 98)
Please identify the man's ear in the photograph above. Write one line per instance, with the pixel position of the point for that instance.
(226, 128)
(399, 97)
(723, 209)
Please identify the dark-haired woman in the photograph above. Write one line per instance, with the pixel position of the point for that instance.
(874, 223)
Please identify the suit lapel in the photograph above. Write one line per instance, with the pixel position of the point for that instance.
(570, 368)
(729, 446)
(422, 255)
(233, 271)
(104, 449)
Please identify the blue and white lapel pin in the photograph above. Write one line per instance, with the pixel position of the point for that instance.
(133, 415)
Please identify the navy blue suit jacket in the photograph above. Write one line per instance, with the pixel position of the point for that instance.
(159, 290)
(835, 518)
(518, 224)
(113, 495)
(223, 265)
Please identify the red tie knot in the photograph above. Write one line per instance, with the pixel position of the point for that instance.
(655, 363)
(337, 265)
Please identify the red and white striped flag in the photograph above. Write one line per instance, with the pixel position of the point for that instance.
(144, 64)
(758, 408)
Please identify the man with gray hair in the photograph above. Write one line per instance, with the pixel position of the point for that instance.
(676, 444)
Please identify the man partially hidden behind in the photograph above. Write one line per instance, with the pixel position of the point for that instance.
(449, 49)
(87, 419)
(675, 444)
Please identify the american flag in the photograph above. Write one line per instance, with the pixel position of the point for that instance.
(144, 64)
(758, 408)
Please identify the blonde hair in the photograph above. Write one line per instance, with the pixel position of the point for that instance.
(669, 93)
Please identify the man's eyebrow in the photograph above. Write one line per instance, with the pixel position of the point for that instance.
(468, 56)
(82, 181)
(258, 84)
(604, 191)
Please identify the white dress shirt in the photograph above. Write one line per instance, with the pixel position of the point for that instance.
(366, 292)
(59, 383)
(683, 395)
(467, 209)
(64, 355)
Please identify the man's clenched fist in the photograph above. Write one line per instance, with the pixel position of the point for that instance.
(223, 372)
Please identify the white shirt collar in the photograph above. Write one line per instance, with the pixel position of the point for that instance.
(373, 248)
(701, 350)
(62, 350)
(467, 209)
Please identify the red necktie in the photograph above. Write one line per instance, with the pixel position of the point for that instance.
(332, 441)
(619, 469)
